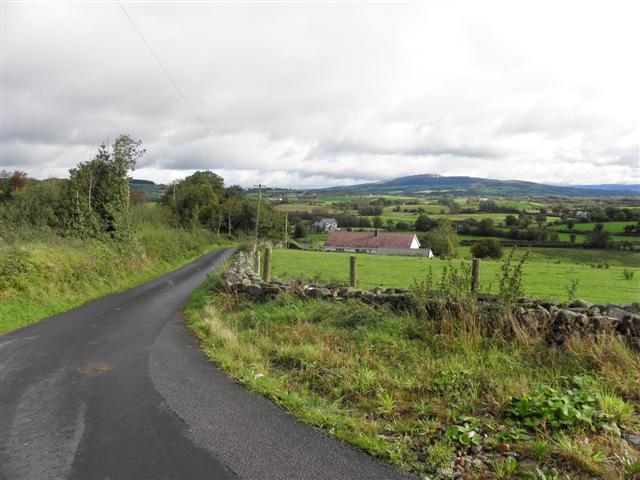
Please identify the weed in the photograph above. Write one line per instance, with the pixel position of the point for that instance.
(440, 453)
(466, 433)
(572, 289)
(504, 467)
(510, 286)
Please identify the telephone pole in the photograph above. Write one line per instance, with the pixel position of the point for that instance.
(286, 229)
(255, 241)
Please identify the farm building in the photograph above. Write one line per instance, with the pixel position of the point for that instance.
(382, 243)
(325, 225)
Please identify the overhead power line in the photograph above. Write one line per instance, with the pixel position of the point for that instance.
(173, 82)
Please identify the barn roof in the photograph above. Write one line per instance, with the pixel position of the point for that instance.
(369, 240)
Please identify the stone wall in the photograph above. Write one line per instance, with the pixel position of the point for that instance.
(556, 319)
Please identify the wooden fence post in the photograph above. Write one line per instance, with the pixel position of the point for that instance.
(353, 272)
(475, 275)
(256, 261)
(266, 273)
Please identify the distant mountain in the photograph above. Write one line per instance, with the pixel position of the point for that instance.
(153, 190)
(138, 181)
(611, 186)
(439, 185)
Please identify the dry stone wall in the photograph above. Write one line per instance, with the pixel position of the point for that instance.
(559, 320)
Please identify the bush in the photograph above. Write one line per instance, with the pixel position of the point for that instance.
(488, 247)
(300, 231)
(442, 240)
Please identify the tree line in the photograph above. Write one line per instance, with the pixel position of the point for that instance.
(96, 202)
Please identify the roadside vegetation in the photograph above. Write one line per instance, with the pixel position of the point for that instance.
(436, 394)
(66, 241)
(42, 273)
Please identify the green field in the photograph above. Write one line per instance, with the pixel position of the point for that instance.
(547, 274)
(303, 207)
(613, 227)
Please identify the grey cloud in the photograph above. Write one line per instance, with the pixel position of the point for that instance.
(323, 94)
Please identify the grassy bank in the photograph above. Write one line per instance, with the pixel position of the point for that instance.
(432, 397)
(42, 274)
(547, 274)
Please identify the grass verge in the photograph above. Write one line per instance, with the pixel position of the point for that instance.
(432, 397)
(42, 274)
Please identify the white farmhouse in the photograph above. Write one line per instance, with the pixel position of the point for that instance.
(382, 243)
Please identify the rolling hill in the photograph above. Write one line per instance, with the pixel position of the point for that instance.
(437, 184)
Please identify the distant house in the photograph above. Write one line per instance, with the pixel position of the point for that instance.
(382, 243)
(325, 225)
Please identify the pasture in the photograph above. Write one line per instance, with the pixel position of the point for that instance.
(548, 273)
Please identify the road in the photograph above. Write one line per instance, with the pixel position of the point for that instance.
(117, 389)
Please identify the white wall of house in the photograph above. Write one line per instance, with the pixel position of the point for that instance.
(412, 252)
(415, 243)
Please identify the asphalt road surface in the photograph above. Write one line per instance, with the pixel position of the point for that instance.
(117, 389)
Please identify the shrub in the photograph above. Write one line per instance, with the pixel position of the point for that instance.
(300, 231)
(488, 247)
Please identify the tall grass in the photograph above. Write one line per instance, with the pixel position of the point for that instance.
(42, 274)
(393, 383)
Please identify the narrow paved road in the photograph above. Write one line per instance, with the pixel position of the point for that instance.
(118, 389)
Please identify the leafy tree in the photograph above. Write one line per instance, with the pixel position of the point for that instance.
(572, 237)
(485, 227)
(12, 183)
(599, 237)
(377, 222)
(510, 220)
(524, 220)
(541, 218)
(442, 240)
(41, 204)
(195, 199)
(99, 191)
(424, 223)
(570, 224)
(390, 224)
(487, 247)
(300, 231)
(231, 208)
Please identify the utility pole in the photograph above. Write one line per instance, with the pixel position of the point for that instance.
(255, 241)
(174, 194)
(286, 229)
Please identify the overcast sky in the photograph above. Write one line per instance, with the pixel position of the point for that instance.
(328, 94)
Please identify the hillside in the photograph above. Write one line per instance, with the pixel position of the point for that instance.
(438, 184)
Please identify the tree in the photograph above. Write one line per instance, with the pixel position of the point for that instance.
(300, 231)
(442, 240)
(541, 218)
(424, 223)
(195, 199)
(572, 237)
(510, 220)
(390, 224)
(41, 204)
(99, 190)
(570, 224)
(524, 220)
(487, 247)
(485, 227)
(231, 207)
(377, 222)
(12, 183)
(599, 237)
